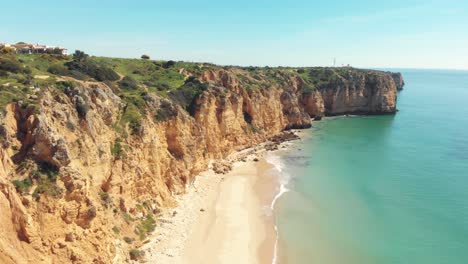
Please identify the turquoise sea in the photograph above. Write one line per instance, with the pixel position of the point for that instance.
(382, 189)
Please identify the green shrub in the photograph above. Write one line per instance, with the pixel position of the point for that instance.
(136, 254)
(307, 88)
(82, 108)
(93, 69)
(24, 79)
(24, 105)
(79, 55)
(46, 177)
(146, 204)
(106, 199)
(48, 172)
(23, 186)
(169, 64)
(7, 50)
(70, 125)
(185, 94)
(128, 83)
(62, 85)
(10, 65)
(78, 75)
(164, 113)
(128, 218)
(132, 113)
(48, 188)
(58, 69)
(163, 87)
(128, 240)
(116, 230)
(104, 74)
(117, 149)
(104, 196)
(146, 226)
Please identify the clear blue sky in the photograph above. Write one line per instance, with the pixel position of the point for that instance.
(363, 33)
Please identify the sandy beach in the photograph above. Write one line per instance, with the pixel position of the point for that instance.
(223, 218)
(235, 226)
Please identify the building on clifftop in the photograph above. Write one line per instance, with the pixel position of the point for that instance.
(27, 48)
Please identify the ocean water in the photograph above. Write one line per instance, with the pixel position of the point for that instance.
(382, 189)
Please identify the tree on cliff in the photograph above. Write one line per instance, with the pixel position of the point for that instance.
(7, 50)
(145, 57)
(168, 64)
(83, 64)
(79, 55)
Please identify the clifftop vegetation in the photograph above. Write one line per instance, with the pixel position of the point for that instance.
(22, 76)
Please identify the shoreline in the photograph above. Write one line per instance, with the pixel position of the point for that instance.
(222, 213)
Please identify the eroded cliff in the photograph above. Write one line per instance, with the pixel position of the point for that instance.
(88, 166)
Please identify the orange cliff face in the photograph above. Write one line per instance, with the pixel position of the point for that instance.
(94, 183)
(369, 92)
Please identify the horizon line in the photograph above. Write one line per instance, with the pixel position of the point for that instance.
(290, 66)
(277, 66)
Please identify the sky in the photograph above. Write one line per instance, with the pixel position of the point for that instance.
(362, 33)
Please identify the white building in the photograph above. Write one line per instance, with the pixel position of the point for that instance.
(27, 48)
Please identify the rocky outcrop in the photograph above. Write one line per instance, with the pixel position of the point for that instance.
(359, 92)
(398, 79)
(85, 180)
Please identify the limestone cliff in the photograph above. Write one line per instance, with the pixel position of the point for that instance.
(353, 92)
(79, 185)
(398, 79)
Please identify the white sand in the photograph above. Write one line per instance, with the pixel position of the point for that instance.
(230, 229)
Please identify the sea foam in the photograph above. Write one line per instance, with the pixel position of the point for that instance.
(283, 178)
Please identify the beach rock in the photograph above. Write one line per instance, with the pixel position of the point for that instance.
(283, 137)
(222, 167)
(271, 146)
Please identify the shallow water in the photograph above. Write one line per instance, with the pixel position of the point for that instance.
(383, 189)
